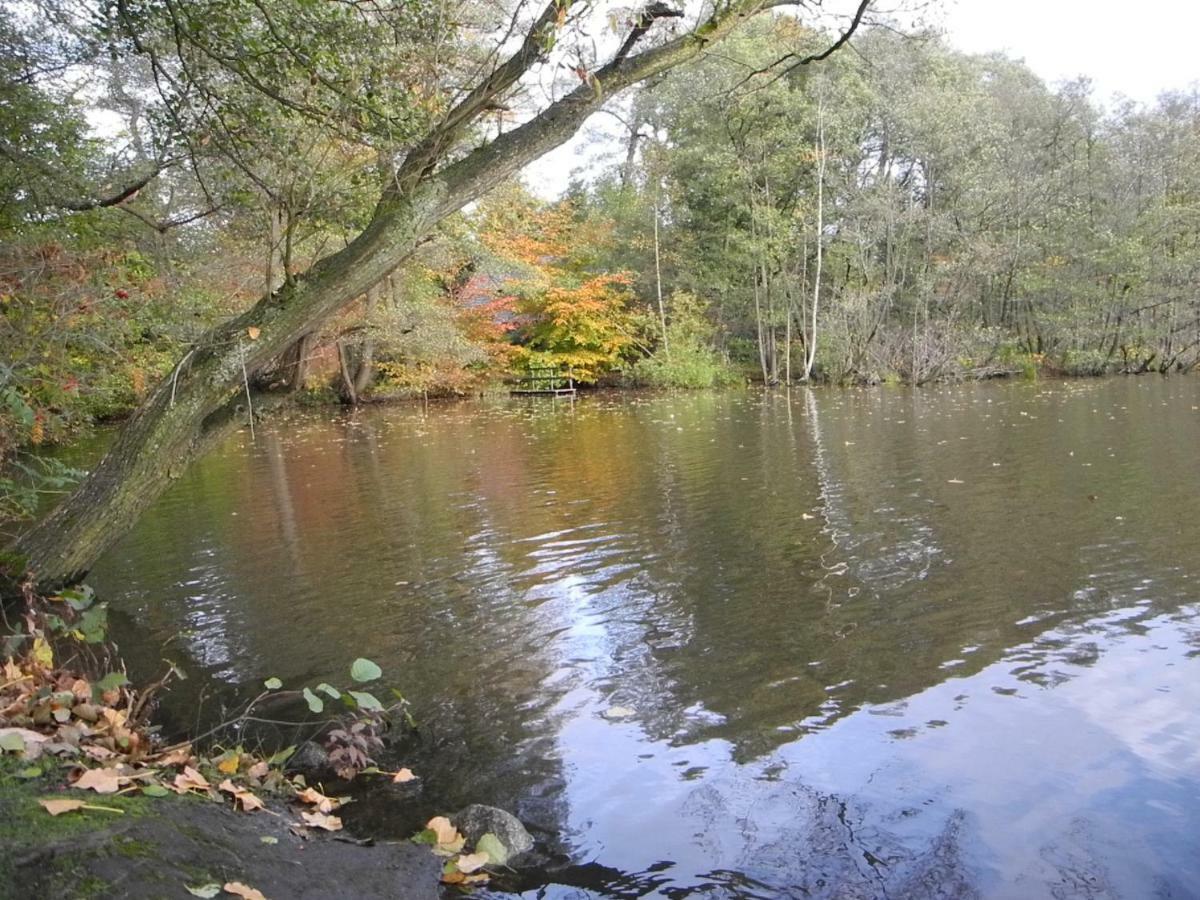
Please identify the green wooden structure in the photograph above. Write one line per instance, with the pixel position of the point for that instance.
(546, 381)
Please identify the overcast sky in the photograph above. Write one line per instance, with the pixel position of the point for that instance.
(1136, 49)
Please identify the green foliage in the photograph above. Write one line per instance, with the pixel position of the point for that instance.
(687, 359)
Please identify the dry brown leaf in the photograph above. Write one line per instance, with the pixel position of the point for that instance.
(178, 757)
(254, 331)
(102, 781)
(243, 890)
(477, 878)
(319, 800)
(190, 780)
(453, 878)
(249, 801)
(97, 752)
(444, 832)
(259, 770)
(402, 776)
(320, 820)
(58, 807)
(472, 862)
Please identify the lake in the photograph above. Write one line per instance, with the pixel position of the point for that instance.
(828, 643)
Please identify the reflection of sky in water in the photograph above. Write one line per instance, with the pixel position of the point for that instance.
(1087, 787)
(874, 641)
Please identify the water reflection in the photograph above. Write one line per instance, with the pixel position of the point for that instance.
(918, 643)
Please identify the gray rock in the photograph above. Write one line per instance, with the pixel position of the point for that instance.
(476, 820)
(309, 757)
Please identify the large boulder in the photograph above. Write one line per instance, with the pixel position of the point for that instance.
(476, 820)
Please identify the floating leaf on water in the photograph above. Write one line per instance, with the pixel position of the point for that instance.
(329, 690)
(272, 684)
(269, 839)
(207, 891)
(404, 775)
(362, 670)
(315, 703)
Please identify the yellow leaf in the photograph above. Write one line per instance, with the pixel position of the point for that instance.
(229, 764)
(320, 820)
(102, 781)
(402, 776)
(42, 653)
(58, 807)
(254, 331)
(243, 890)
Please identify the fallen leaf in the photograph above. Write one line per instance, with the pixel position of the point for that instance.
(253, 331)
(472, 862)
(453, 877)
(403, 776)
(269, 839)
(190, 780)
(42, 653)
(102, 781)
(177, 757)
(249, 802)
(58, 807)
(493, 847)
(443, 831)
(258, 770)
(320, 820)
(243, 890)
(619, 712)
(319, 800)
(98, 753)
(207, 891)
(229, 764)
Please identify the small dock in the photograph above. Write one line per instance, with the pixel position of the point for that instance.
(545, 381)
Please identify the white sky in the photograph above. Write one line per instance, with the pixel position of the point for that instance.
(1136, 48)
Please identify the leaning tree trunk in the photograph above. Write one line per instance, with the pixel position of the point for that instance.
(205, 396)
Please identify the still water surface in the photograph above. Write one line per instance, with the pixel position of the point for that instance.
(874, 643)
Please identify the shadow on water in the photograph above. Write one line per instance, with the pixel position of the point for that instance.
(886, 642)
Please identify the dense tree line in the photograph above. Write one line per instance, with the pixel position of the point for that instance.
(911, 212)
